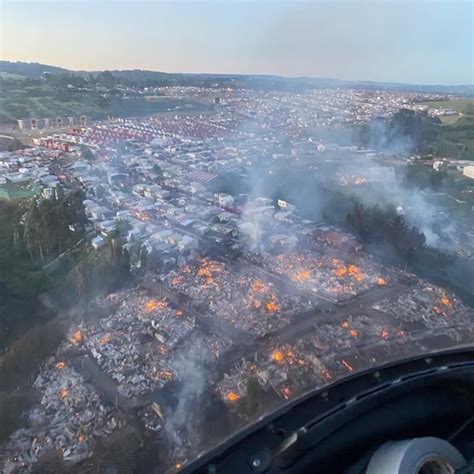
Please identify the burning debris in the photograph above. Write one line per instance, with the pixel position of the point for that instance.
(285, 370)
(77, 337)
(153, 305)
(189, 341)
(335, 239)
(232, 396)
(119, 342)
(237, 296)
(428, 305)
(69, 417)
(327, 276)
(289, 370)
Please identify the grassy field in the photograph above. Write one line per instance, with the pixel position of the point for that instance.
(20, 101)
(459, 105)
(456, 139)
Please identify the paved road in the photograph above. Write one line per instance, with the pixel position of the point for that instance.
(362, 305)
(245, 346)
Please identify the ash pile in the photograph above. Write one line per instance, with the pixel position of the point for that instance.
(427, 306)
(69, 418)
(331, 277)
(133, 345)
(236, 295)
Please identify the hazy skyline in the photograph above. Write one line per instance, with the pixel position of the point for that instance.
(422, 42)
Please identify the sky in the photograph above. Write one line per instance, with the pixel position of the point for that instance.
(417, 41)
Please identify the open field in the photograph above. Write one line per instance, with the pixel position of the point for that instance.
(459, 105)
(449, 119)
(456, 138)
(19, 101)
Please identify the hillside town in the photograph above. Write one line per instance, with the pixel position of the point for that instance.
(236, 283)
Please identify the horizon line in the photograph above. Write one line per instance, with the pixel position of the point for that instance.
(280, 76)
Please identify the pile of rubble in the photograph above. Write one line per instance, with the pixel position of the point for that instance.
(237, 296)
(325, 275)
(209, 345)
(427, 306)
(133, 345)
(336, 239)
(290, 370)
(69, 417)
(286, 370)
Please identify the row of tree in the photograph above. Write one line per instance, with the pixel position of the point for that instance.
(101, 271)
(52, 225)
(375, 224)
(405, 131)
(389, 234)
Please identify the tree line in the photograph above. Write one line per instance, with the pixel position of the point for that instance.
(50, 226)
(406, 130)
(389, 234)
(376, 224)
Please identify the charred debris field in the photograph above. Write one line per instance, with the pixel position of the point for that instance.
(238, 338)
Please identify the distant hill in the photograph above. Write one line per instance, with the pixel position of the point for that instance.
(31, 70)
(36, 71)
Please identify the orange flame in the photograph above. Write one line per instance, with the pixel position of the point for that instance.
(350, 270)
(232, 396)
(60, 365)
(204, 272)
(258, 287)
(381, 281)
(445, 301)
(105, 339)
(278, 356)
(77, 337)
(165, 374)
(179, 313)
(272, 306)
(301, 276)
(81, 437)
(153, 304)
(345, 324)
(354, 332)
(341, 271)
(63, 393)
(384, 333)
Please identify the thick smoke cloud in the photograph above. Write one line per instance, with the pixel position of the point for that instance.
(182, 425)
(385, 187)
